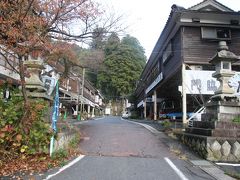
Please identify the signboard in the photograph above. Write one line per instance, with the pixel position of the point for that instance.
(201, 82)
(155, 82)
(234, 82)
(140, 104)
(49, 83)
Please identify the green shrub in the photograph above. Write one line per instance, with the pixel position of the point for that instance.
(166, 124)
(75, 141)
(236, 119)
(60, 154)
(134, 115)
(17, 135)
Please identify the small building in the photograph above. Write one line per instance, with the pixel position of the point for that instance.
(178, 67)
(76, 93)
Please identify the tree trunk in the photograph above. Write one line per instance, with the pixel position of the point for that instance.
(22, 79)
(25, 120)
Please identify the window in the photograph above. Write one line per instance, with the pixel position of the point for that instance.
(226, 65)
(212, 33)
(167, 53)
(155, 71)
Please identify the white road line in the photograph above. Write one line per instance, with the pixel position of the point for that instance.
(228, 164)
(66, 166)
(179, 173)
(150, 128)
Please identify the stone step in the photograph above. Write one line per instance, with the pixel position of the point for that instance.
(204, 124)
(225, 117)
(216, 124)
(199, 131)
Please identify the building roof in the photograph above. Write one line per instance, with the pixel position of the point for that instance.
(211, 5)
(206, 6)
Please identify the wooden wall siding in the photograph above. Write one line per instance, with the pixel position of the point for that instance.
(174, 62)
(234, 46)
(196, 50)
(74, 89)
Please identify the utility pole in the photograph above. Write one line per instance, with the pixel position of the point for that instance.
(184, 95)
(83, 77)
(78, 91)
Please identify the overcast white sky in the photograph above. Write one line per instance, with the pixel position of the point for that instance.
(146, 19)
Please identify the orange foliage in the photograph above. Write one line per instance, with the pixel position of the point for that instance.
(30, 24)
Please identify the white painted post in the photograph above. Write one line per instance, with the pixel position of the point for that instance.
(155, 105)
(83, 79)
(184, 95)
(51, 146)
(145, 108)
(88, 111)
(93, 112)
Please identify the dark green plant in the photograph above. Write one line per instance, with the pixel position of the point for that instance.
(74, 142)
(60, 154)
(236, 119)
(166, 124)
(134, 115)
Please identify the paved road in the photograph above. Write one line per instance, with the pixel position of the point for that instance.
(115, 149)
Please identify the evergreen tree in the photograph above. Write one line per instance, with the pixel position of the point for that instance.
(124, 62)
(98, 39)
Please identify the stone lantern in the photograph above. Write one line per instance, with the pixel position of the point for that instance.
(34, 67)
(223, 60)
(34, 86)
(216, 137)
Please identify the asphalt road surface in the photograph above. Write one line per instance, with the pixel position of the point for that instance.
(115, 149)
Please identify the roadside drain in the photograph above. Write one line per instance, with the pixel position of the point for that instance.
(201, 163)
(211, 169)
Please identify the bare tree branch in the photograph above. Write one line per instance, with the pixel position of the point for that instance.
(8, 62)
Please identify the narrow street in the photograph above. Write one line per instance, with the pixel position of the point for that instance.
(116, 149)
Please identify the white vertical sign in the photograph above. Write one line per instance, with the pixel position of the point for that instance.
(201, 82)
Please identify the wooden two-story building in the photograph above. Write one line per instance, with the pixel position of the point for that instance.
(187, 43)
(74, 90)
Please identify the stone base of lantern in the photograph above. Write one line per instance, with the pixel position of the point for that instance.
(39, 95)
(213, 148)
(216, 137)
(222, 110)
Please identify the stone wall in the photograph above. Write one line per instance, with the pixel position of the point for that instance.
(63, 140)
(213, 148)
